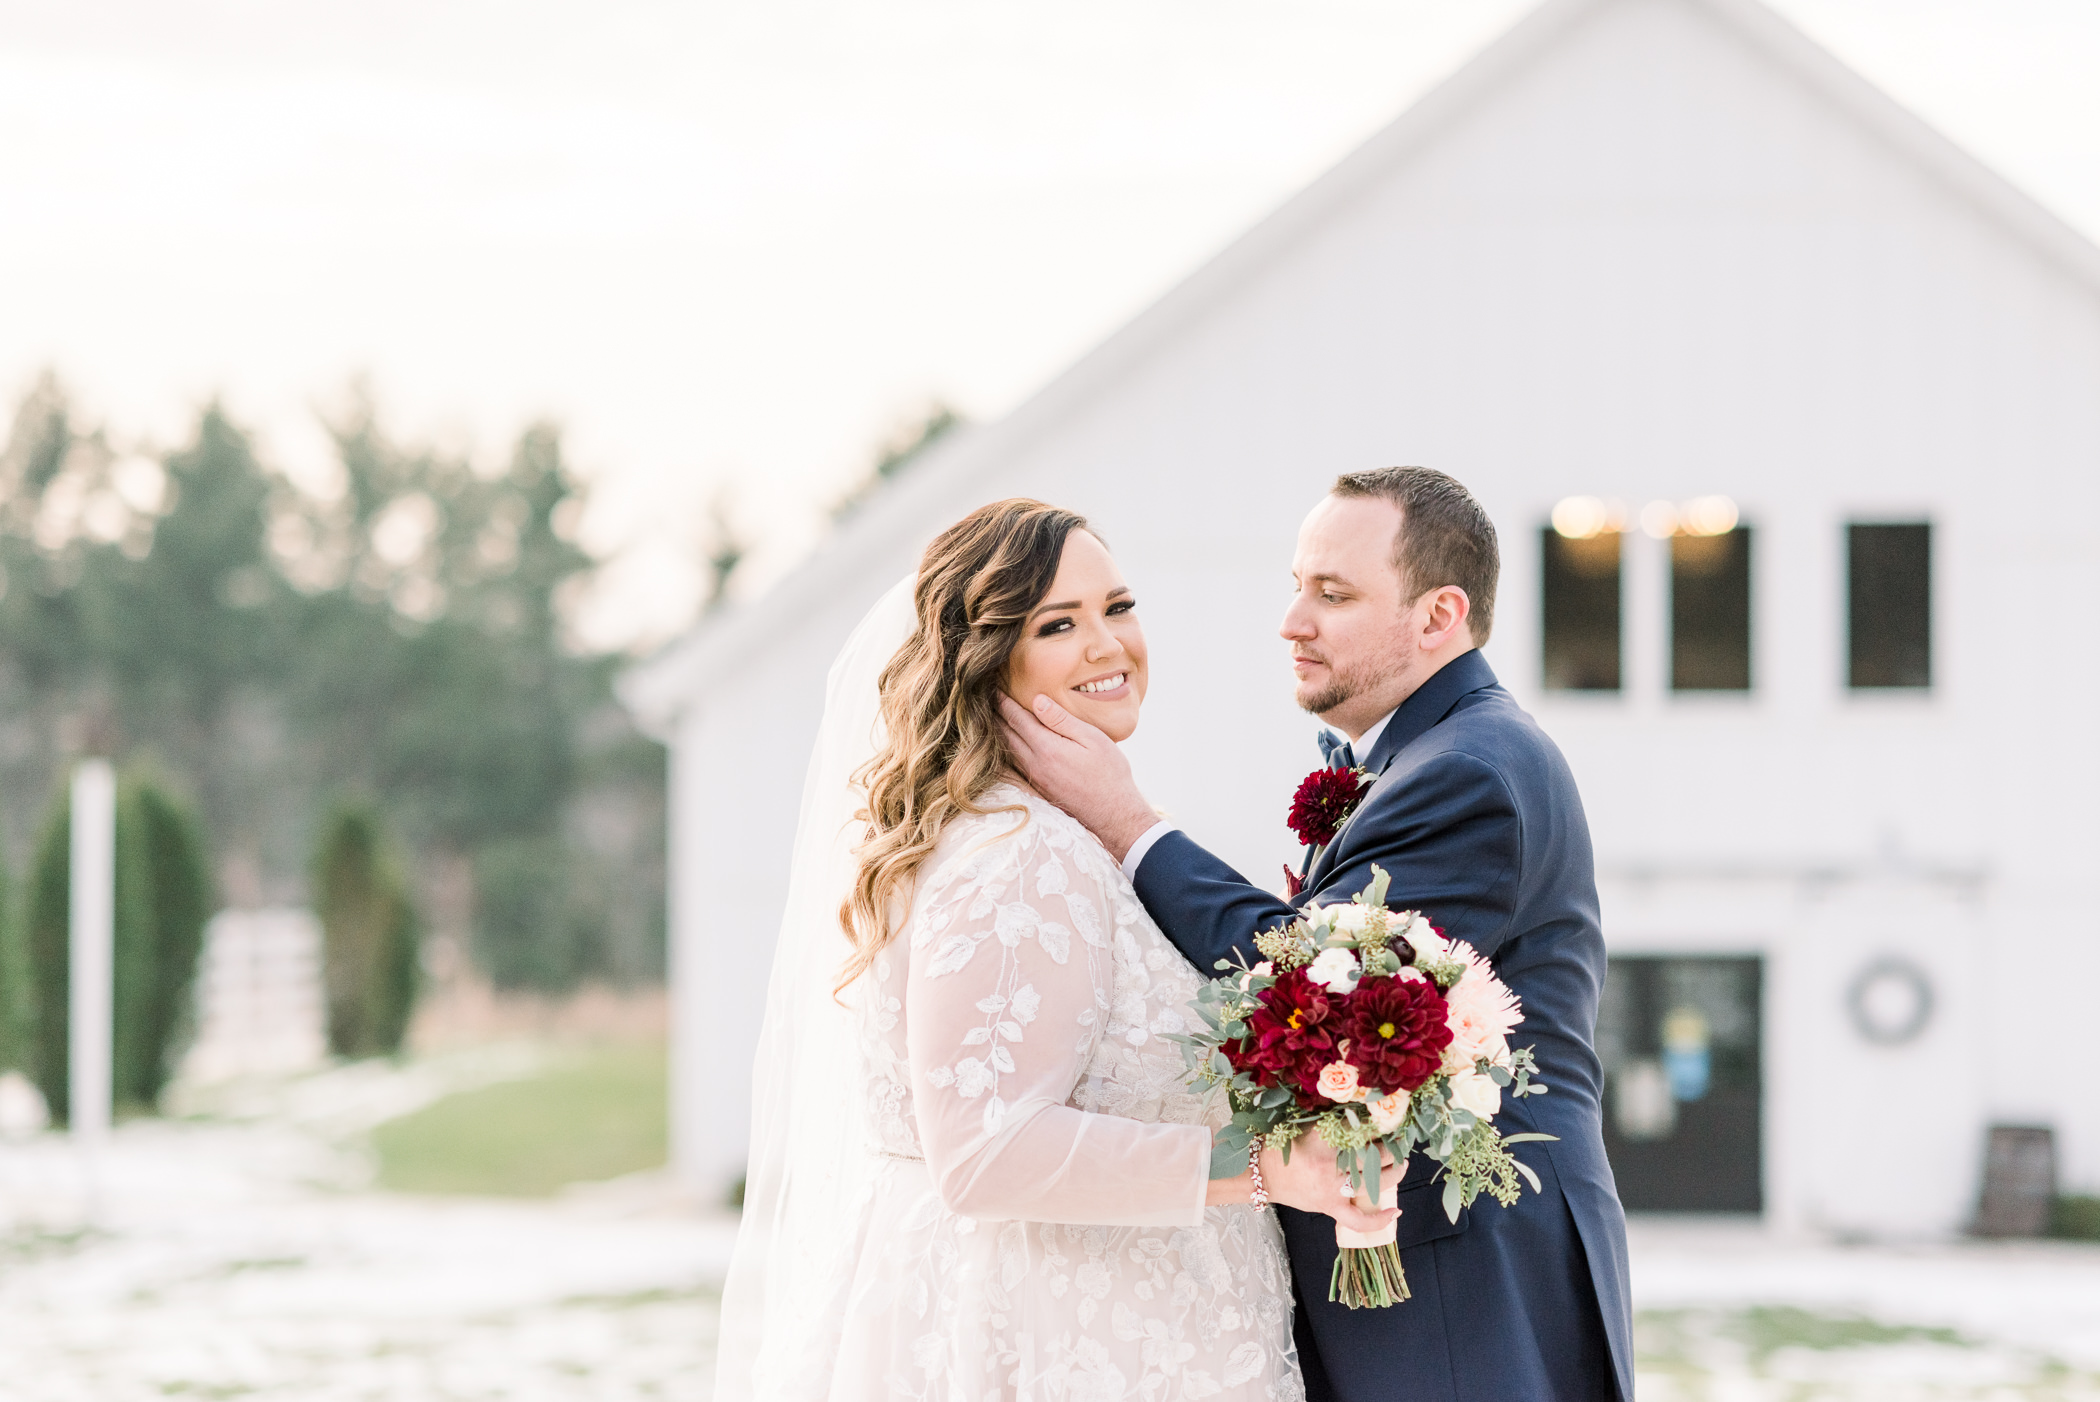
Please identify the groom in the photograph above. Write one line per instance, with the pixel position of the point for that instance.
(1474, 813)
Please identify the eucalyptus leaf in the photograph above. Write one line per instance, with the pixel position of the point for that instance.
(1374, 894)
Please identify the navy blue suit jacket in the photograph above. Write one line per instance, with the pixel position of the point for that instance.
(1474, 814)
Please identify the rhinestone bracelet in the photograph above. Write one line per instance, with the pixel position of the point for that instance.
(1261, 1189)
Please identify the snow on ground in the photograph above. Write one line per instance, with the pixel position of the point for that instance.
(243, 1255)
(239, 1252)
(1726, 1312)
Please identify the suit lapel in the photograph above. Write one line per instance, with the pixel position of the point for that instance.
(1417, 716)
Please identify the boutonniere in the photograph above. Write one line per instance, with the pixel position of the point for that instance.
(1319, 809)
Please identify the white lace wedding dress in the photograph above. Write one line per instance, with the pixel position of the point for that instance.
(1036, 1227)
(977, 1175)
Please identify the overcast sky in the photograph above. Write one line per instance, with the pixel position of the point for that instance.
(735, 244)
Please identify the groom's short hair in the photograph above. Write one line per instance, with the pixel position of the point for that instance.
(1444, 538)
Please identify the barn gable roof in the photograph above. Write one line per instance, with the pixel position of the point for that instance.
(659, 690)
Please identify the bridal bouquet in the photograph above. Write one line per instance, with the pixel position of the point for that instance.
(1369, 1027)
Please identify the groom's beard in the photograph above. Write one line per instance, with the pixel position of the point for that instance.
(1337, 691)
(1342, 685)
(1346, 683)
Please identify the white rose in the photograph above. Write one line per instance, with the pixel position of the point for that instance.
(1427, 942)
(1471, 1090)
(1265, 969)
(1350, 919)
(1335, 970)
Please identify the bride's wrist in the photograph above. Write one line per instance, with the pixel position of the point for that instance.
(1229, 1192)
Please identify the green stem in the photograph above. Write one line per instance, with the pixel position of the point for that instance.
(1367, 1277)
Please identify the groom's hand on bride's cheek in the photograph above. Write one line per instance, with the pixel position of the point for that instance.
(1079, 769)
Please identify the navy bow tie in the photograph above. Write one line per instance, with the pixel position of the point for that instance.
(1335, 752)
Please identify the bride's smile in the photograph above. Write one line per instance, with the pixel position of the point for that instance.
(1083, 647)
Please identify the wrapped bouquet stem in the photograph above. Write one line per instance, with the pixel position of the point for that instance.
(1367, 1267)
(1368, 1027)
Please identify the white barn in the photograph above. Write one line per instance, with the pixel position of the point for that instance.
(1649, 253)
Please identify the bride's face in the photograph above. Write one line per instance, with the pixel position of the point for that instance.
(1083, 646)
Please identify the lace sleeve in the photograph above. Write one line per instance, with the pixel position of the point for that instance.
(1011, 976)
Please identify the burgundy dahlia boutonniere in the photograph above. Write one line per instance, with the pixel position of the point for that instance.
(1324, 802)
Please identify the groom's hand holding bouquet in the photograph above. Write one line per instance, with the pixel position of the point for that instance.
(1368, 1028)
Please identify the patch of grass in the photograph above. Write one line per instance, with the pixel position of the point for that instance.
(26, 1244)
(637, 1299)
(263, 1263)
(595, 1115)
(1662, 1345)
(1766, 1329)
(2076, 1217)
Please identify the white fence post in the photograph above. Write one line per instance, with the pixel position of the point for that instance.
(93, 914)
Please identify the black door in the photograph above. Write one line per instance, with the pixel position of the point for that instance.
(1683, 1086)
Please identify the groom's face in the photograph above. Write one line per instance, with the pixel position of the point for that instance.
(1347, 625)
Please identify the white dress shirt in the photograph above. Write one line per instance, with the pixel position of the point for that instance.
(1361, 747)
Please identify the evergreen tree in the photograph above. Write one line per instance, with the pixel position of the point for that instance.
(14, 983)
(163, 879)
(162, 901)
(263, 646)
(368, 935)
(538, 916)
(48, 928)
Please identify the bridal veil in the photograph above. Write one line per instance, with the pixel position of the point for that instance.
(812, 1155)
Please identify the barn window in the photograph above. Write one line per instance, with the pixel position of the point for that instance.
(1580, 609)
(1710, 610)
(1891, 604)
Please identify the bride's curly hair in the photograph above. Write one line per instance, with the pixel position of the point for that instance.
(943, 743)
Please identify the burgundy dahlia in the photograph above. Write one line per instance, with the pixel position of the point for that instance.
(1324, 801)
(1397, 1029)
(1292, 1034)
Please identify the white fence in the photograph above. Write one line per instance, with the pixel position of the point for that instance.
(259, 1005)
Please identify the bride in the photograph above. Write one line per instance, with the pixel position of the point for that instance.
(977, 1171)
